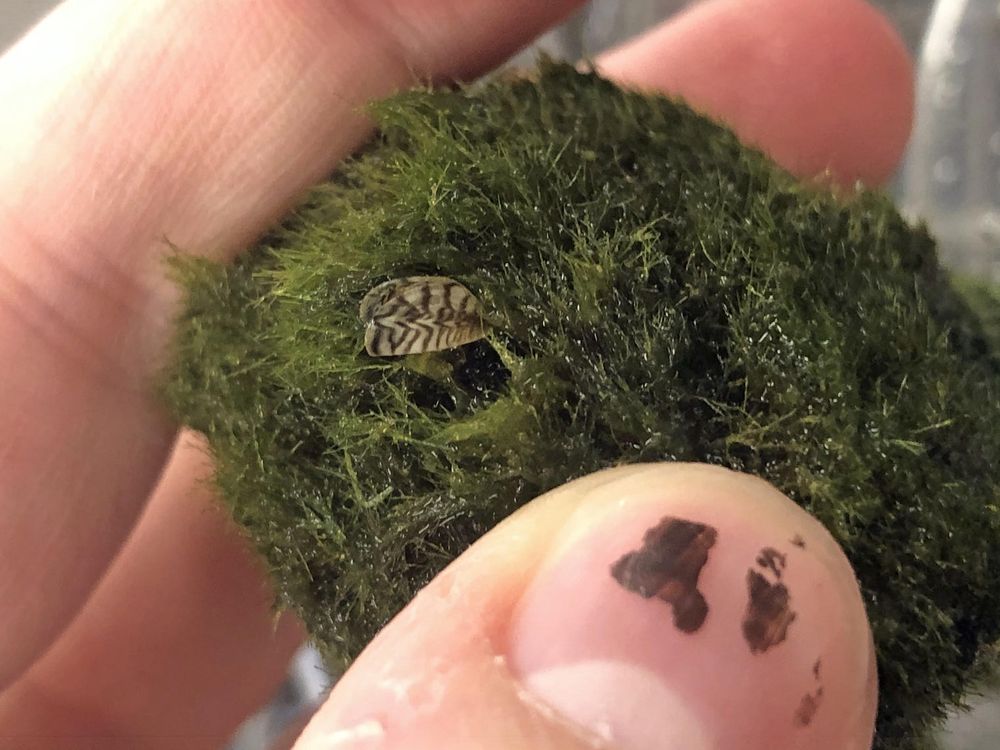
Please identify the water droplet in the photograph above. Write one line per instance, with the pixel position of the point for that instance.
(946, 170)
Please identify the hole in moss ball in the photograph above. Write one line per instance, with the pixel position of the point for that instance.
(482, 373)
(513, 344)
(432, 396)
(365, 401)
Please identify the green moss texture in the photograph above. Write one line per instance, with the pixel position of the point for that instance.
(657, 291)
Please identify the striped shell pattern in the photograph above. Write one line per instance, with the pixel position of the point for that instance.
(419, 314)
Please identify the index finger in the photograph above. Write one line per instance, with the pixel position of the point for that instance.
(817, 84)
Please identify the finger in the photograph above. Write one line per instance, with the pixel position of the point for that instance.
(818, 84)
(133, 121)
(177, 644)
(640, 606)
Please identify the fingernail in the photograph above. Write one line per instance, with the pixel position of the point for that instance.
(679, 619)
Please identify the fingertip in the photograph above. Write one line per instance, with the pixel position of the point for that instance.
(711, 591)
(818, 84)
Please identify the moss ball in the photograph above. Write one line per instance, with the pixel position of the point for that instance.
(655, 291)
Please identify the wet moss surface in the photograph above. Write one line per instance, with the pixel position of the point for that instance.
(656, 291)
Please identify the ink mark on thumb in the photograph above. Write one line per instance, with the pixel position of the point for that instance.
(810, 702)
(667, 567)
(769, 610)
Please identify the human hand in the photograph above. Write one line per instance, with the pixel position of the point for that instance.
(202, 122)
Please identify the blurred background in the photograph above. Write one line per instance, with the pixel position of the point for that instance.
(950, 178)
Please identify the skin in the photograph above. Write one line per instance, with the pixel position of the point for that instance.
(127, 591)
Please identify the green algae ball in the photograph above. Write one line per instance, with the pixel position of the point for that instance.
(654, 290)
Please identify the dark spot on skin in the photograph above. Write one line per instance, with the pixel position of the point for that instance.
(810, 702)
(808, 707)
(768, 615)
(772, 560)
(798, 541)
(667, 567)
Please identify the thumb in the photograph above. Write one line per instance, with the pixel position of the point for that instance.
(643, 608)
